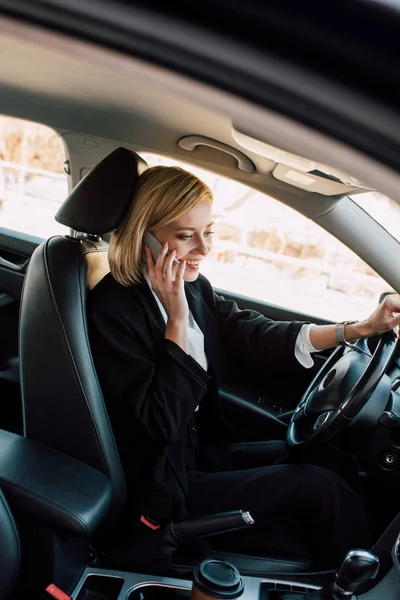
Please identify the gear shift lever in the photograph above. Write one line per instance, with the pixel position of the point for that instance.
(358, 567)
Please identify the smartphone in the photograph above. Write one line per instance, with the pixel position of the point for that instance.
(152, 242)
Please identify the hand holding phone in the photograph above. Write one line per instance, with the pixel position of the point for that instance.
(167, 280)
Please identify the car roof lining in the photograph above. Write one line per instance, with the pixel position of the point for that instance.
(67, 93)
(64, 105)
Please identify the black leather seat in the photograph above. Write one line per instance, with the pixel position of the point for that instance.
(9, 550)
(62, 399)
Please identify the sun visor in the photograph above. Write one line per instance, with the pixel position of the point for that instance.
(315, 180)
(301, 172)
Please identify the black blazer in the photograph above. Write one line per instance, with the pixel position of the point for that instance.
(152, 387)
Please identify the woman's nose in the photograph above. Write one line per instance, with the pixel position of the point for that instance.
(203, 247)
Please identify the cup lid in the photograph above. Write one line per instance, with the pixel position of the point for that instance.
(218, 578)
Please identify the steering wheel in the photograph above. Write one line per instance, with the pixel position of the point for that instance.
(339, 391)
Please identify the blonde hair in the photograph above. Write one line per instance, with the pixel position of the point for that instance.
(162, 195)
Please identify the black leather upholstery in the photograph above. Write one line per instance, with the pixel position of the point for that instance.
(260, 565)
(51, 487)
(63, 403)
(98, 203)
(10, 555)
(249, 564)
(289, 567)
(62, 400)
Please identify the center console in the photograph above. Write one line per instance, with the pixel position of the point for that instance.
(98, 584)
(56, 521)
(357, 568)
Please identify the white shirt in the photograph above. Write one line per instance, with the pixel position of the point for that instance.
(303, 347)
(195, 335)
(302, 350)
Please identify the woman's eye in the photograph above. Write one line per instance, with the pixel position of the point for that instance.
(186, 238)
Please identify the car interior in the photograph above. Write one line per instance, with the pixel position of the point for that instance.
(62, 488)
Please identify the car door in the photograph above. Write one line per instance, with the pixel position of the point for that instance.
(257, 400)
(15, 251)
(32, 185)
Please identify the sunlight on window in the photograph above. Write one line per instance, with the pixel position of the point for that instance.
(268, 251)
(32, 179)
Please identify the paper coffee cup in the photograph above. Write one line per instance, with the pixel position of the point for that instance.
(216, 579)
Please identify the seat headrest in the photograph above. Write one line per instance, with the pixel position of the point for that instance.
(99, 201)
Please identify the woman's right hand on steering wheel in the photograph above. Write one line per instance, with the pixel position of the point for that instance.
(166, 276)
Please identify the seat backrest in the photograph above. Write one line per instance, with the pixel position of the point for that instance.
(63, 405)
(9, 550)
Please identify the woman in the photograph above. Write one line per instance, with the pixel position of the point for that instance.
(159, 337)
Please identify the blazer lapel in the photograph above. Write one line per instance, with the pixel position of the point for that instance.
(149, 304)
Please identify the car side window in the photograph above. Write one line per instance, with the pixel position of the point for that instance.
(33, 183)
(266, 250)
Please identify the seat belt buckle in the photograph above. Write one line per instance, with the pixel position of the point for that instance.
(149, 523)
(53, 592)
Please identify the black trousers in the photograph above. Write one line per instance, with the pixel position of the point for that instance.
(299, 509)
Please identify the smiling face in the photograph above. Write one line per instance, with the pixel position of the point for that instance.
(176, 207)
(191, 237)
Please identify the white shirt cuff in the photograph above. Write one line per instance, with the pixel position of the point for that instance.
(303, 347)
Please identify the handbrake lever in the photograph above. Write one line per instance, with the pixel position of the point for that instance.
(152, 548)
(212, 524)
